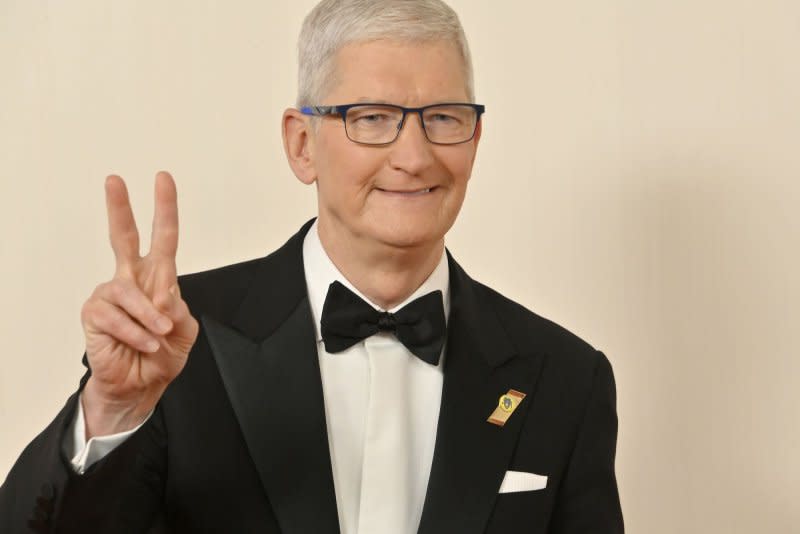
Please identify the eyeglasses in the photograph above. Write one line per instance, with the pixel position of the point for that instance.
(380, 124)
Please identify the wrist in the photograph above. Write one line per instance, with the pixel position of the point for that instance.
(104, 416)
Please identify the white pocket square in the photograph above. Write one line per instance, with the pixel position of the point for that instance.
(515, 481)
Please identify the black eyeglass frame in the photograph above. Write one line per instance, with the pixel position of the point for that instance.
(341, 109)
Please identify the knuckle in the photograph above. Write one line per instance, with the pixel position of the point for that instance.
(134, 337)
(180, 309)
(184, 316)
(118, 290)
(86, 310)
(129, 235)
(99, 290)
(89, 308)
(153, 315)
(121, 327)
(170, 233)
(162, 301)
(115, 324)
(124, 270)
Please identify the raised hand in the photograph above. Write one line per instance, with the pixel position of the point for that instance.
(138, 329)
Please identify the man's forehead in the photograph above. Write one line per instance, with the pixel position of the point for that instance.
(382, 71)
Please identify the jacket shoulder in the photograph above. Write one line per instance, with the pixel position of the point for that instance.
(530, 332)
(219, 289)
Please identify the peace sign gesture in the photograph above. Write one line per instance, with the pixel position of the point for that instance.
(138, 329)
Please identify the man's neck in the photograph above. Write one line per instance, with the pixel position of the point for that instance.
(384, 274)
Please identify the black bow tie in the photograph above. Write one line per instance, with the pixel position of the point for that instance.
(419, 325)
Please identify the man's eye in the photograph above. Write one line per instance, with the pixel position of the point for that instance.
(441, 117)
(372, 118)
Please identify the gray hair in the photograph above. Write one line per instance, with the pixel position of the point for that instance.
(332, 24)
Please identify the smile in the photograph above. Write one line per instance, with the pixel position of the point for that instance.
(414, 193)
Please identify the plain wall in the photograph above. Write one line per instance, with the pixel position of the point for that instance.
(637, 182)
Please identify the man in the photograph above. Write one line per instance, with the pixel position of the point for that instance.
(355, 380)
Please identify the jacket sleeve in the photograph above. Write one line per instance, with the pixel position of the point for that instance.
(34, 486)
(122, 492)
(588, 500)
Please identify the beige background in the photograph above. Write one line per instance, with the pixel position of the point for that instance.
(637, 182)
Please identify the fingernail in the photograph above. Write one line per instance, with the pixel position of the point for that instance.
(163, 324)
(152, 346)
(174, 290)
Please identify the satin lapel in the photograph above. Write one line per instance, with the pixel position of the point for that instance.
(269, 365)
(471, 455)
(276, 392)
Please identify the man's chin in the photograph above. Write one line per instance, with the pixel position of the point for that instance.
(408, 236)
(399, 234)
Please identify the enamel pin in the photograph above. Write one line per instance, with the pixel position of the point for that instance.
(505, 407)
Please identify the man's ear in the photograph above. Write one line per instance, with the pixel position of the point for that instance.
(478, 132)
(475, 140)
(297, 142)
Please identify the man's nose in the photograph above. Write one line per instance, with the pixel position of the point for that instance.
(411, 151)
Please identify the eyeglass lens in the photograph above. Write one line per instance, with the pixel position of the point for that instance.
(377, 124)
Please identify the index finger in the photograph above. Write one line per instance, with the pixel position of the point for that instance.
(164, 241)
(121, 225)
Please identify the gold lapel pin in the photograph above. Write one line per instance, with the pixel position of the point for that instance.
(505, 407)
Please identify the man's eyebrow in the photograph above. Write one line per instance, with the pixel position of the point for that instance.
(372, 100)
(382, 101)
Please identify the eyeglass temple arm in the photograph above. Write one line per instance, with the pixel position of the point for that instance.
(319, 110)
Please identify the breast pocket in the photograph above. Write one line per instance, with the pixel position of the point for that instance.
(516, 481)
(523, 504)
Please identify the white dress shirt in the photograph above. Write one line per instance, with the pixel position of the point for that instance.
(381, 408)
(391, 488)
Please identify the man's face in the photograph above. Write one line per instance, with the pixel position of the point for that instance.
(401, 195)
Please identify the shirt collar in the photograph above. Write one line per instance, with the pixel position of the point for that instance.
(321, 272)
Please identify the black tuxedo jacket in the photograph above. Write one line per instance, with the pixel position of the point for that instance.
(238, 442)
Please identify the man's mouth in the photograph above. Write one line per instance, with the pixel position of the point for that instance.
(412, 193)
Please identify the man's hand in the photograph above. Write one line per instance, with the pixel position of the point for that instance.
(138, 329)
